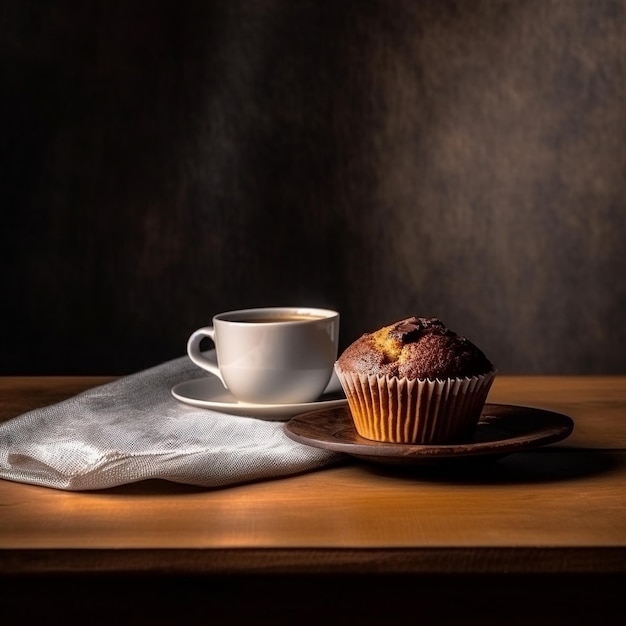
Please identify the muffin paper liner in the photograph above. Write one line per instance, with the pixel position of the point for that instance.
(402, 410)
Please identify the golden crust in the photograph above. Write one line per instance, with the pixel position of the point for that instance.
(416, 348)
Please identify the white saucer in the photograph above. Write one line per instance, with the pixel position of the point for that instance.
(209, 393)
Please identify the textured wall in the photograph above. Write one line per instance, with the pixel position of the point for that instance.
(163, 161)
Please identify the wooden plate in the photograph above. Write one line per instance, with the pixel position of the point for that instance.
(502, 429)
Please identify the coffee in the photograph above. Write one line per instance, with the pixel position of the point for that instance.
(281, 318)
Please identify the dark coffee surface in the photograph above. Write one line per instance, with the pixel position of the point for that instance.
(278, 318)
(463, 160)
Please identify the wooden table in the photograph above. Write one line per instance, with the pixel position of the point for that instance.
(537, 536)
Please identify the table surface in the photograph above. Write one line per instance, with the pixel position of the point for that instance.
(557, 508)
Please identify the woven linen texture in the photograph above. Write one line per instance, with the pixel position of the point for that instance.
(132, 429)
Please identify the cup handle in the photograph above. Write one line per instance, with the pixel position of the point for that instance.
(193, 350)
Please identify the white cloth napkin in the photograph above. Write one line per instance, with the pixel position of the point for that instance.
(132, 429)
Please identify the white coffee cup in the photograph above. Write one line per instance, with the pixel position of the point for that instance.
(271, 355)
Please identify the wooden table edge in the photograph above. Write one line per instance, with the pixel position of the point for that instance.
(295, 561)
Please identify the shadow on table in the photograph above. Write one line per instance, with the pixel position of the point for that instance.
(557, 464)
(162, 487)
(537, 466)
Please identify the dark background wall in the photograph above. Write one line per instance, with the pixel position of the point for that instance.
(164, 161)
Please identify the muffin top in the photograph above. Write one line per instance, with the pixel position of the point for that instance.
(416, 347)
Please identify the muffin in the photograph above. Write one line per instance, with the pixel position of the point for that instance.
(415, 381)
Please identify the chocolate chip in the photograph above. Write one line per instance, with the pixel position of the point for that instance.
(407, 330)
